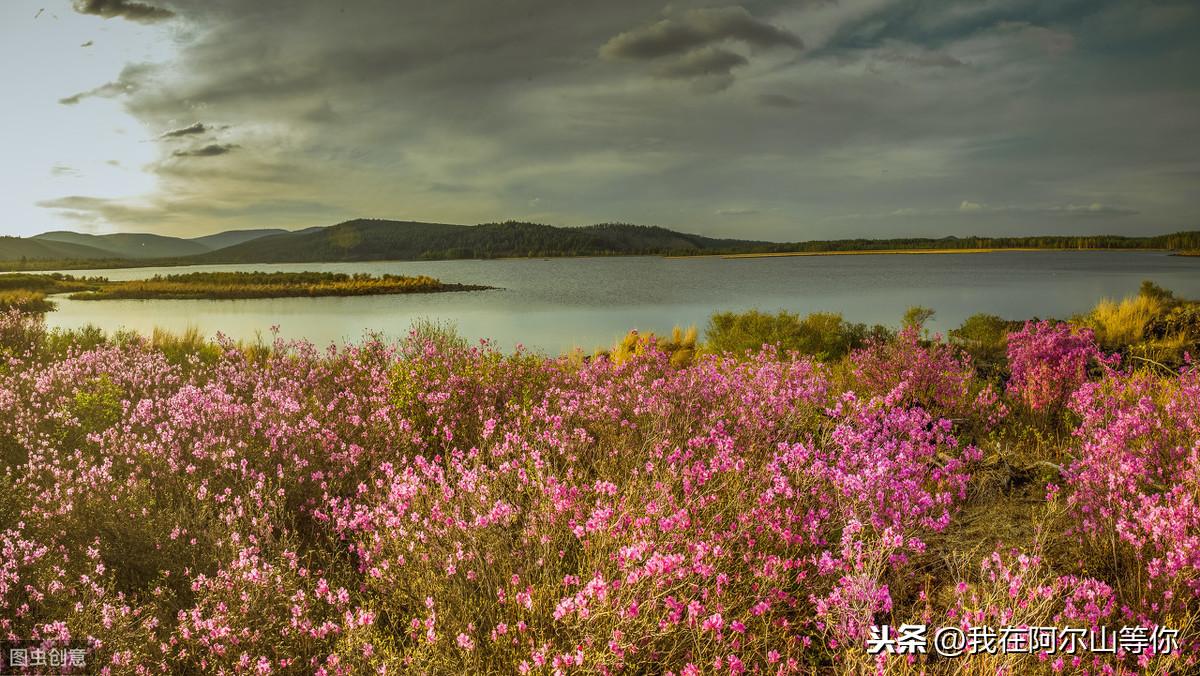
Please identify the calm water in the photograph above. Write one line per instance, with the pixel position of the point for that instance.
(554, 305)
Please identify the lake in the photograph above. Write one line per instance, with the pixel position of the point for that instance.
(554, 305)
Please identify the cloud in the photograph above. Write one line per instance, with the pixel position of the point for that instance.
(685, 46)
(1098, 209)
(969, 207)
(1052, 42)
(150, 215)
(710, 68)
(90, 209)
(696, 28)
(778, 100)
(134, 11)
(700, 63)
(737, 212)
(461, 111)
(210, 150)
(978, 210)
(63, 170)
(107, 90)
(131, 77)
(197, 128)
(1092, 209)
(917, 56)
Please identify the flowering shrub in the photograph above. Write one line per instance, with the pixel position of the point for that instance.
(20, 332)
(1049, 361)
(1137, 480)
(436, 507)
(930, 374)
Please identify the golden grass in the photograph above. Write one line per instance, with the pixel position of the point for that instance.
(1125, 322)
(25, 301)
(681, 346)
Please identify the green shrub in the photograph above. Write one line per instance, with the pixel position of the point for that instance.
(824, 335)
(917, 316)
(985, 338)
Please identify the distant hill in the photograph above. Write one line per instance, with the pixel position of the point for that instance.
(373, 239)
(130, 245)
(16, 248)
(363, 239)
(234, 237)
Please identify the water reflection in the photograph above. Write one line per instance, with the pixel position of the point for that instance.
(554, 305)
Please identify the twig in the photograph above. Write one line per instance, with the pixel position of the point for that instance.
(1161, 365)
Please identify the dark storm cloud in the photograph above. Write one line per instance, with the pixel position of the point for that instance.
(134, 11)
(696, 28)
(197, 128)
(936, 24)
(210, 150)
(775, 100)
(472, 111)
(701, 62)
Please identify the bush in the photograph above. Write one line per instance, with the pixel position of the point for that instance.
(927, 374)
(1049, 361)
(1133, 488)
(985, 338)
(30, 302)
(825, 336)
(21, 334)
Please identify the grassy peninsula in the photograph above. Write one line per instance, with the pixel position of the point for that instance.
(232, 285)
(27, 292)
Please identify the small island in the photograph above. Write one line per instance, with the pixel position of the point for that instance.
(28, 291)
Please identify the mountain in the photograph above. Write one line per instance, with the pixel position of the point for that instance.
(374, 240)
(232, 237)
(364, 239)
(16, 248)
(129, 245)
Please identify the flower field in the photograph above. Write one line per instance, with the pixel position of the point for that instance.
(435, 507)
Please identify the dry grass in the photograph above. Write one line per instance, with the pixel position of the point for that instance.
(1124, 322)
(681, 346)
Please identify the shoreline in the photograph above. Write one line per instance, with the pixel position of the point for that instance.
(74, 266)
(904, 252)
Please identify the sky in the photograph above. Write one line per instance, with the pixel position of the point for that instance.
(804, 119)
